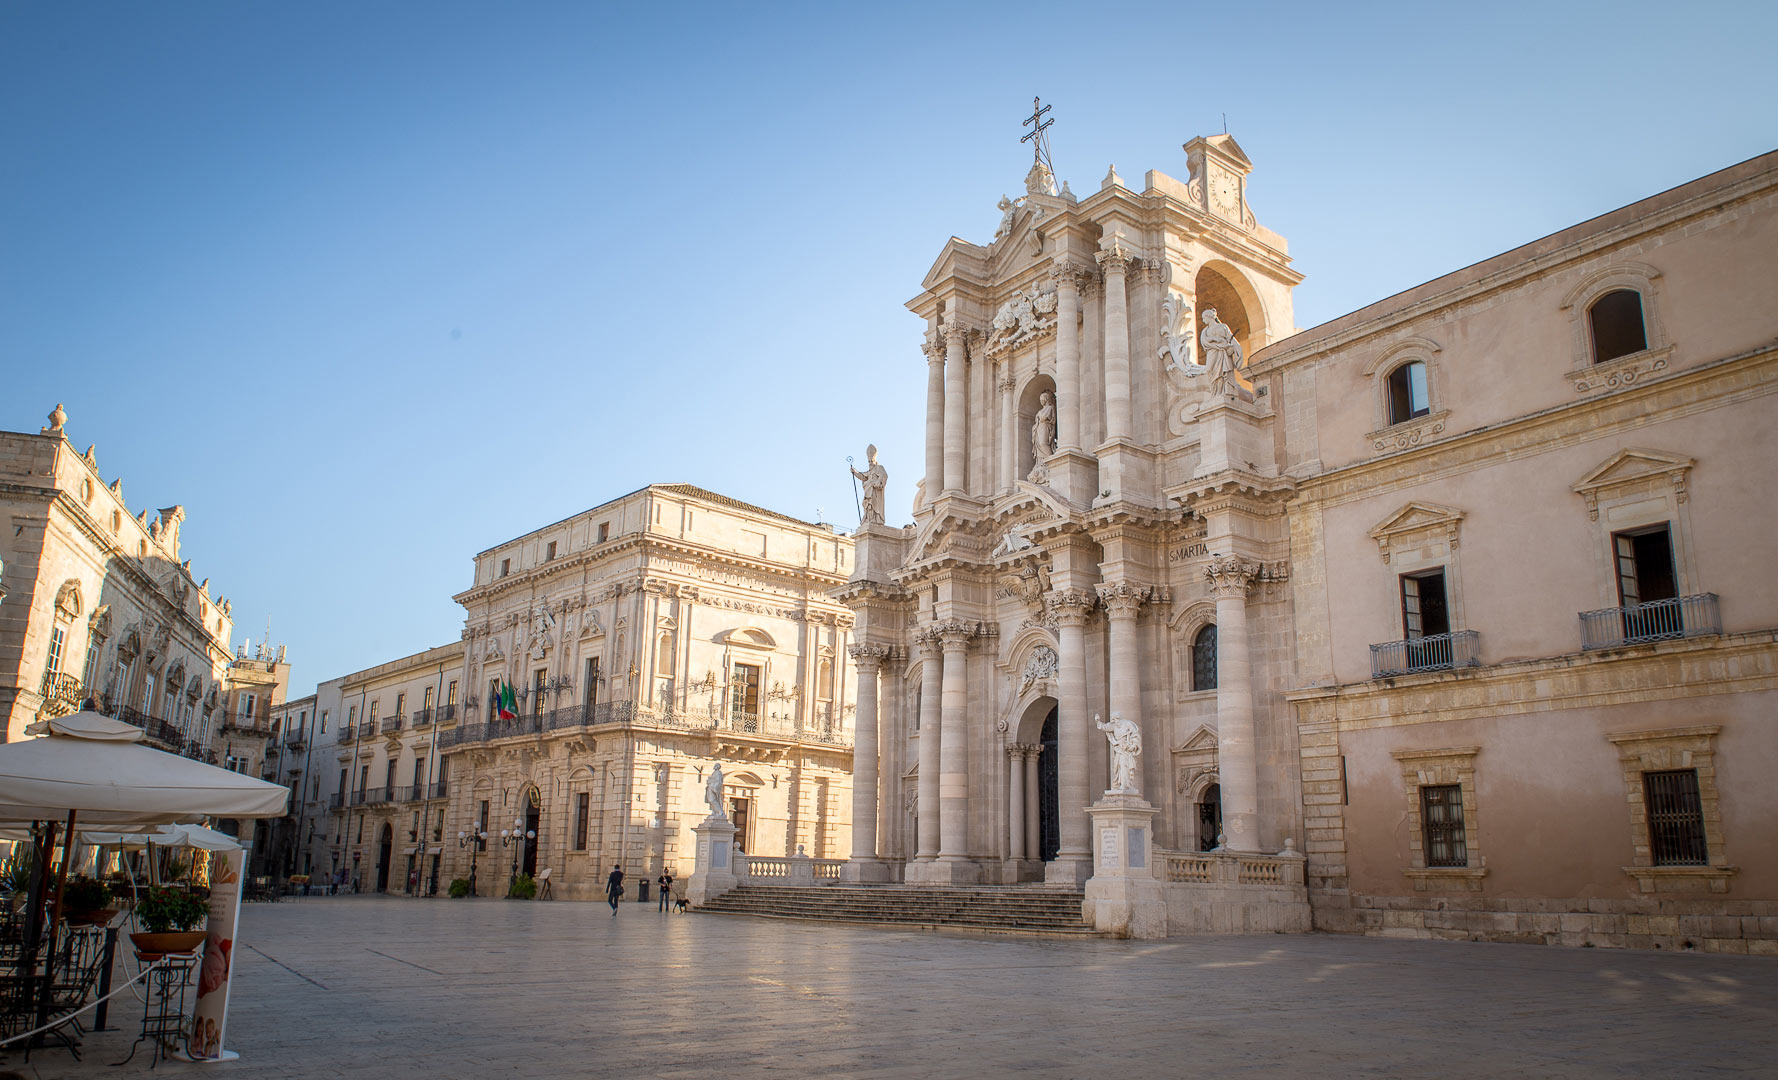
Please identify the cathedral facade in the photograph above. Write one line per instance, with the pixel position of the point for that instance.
(1453, 608)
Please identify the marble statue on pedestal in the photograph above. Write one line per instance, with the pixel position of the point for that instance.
(1222, 355)
(1126, 746)
(713, 792)
(874, 479)
(1043, 429)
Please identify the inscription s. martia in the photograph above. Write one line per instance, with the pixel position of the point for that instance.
(1187, 551)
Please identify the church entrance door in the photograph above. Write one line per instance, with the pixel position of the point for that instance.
(1049, 820)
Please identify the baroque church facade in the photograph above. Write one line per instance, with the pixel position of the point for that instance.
(1445, 619)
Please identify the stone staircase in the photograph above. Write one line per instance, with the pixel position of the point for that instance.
(1005, 909)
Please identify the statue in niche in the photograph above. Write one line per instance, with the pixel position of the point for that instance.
(1043, 428)
(541, 639)
(873, 479)
(1125, 740)
(1222, 355)
(713, 793)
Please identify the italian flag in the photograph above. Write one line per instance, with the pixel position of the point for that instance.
(507, 705)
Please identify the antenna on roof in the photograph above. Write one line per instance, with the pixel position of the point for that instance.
(1225, 123)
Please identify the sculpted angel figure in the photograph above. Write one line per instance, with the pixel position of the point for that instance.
(1043, 429)
(1007, 209)
(1222, 354)
(1126, 746)
(874, 479)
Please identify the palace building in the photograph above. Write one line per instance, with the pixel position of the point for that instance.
(1447, 618)
(647, 640)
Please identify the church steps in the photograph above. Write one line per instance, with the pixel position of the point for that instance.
(1010, 909)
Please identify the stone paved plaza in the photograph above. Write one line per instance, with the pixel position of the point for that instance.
(376, 987)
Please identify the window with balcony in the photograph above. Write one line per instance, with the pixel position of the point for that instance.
(373, 711)
(590, 689)
(744, 696)
(1204, 658)
(400, 704)
(57, 639)
(1423, 610)
(451, 693)
(426, 700)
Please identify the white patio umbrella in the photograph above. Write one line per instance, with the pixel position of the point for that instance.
(97, 767)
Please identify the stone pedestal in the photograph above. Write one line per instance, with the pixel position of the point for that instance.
(866, 872)
(1074, 475)
(878, 551)
(1126, 473)
(715, 872)
(1123, 895)
(1231, 436)
(944, 870)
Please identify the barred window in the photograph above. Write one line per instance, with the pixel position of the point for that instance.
(1441, 817)
(582, 810)
(1675, 818)
(1204, 659)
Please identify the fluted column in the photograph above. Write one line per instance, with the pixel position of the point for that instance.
(1033, 814)
(869, 659)
(953, 765)
(1009, 438)
(931, 688)
(956, 407)
(1067, 277)
(935, 419)
(1072, 608)
(1015, 802)
(1237, 764)
(1122, 602)
(1115, 260)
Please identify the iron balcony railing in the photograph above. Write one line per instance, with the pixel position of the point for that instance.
(421, 717)
(295, 741)
(445, 714)
(1656, 620)
(375, 796)
(336, 800)
(410, 793)
(392, 724)
(439, 790)
(358, 798)
(628, 712)
(346, 733)
(1437, 652)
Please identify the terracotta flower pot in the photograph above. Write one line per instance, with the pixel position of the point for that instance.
(171, 941)
(100, 917)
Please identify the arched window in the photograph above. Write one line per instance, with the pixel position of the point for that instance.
(1616, 322)
(1407, 393)
(1204, 659)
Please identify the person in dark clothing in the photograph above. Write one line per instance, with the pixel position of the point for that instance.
(614, 887)
(665, 881)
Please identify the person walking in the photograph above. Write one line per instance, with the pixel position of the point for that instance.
(614, 887)
(665, 881)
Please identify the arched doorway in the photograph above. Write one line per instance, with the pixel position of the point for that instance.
(533, 815)
(1209, 817)
(1049, 820)
(385, 852)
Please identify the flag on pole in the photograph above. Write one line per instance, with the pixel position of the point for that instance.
(507, 704)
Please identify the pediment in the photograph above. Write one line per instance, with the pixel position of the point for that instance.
(1631, 465)
(1199, 741)
(1415, 517)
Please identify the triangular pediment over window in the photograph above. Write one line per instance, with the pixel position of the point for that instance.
(1201, 739)
(1415, 521)
(1630, 466)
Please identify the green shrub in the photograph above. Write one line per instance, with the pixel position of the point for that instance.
(85, 894)
(459, 888)
(161, 910)
(524, 887)
(15, 873)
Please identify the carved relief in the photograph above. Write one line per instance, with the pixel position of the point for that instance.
(1025, 318)
(1043, 665)
(1408, 435)
(1176, 336)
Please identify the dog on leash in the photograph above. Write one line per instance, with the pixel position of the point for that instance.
(680, 907)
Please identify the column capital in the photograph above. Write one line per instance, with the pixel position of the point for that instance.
(1230, 576)
(1113, 256)
(954, 635)
(1007, 385)
(1020, 751)
(868, 657)
(1068, 275)
(934, 350)
(955, 333)
(1070, 607)
(1122, 600)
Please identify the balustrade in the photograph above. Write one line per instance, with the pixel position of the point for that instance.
(1228, 868)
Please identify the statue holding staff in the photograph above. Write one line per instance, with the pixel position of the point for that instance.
(874, 478)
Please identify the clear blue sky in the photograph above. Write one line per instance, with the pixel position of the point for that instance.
(371, 287)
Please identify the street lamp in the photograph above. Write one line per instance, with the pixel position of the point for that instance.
(475, 839)
(514, 838)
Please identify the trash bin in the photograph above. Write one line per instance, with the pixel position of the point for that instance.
(642, 891)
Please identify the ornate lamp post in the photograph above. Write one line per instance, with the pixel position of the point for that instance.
(475, 840)
(515, 838)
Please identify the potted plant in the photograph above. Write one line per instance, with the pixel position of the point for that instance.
(459, 888)
(84, 900)
(524, 887)
(16, 873)
(168, 919)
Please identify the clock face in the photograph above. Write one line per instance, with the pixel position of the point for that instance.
(1224, 192)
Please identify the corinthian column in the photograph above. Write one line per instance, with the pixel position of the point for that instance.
(931, 687)
(1074, 859)
(1237, 766)
(1122, 602)
(956, 406)
(935, 419)
(869, 659)
(1009, 438)
(953, 764)
(1067, 277)
(1015, 802)
(1114, 259)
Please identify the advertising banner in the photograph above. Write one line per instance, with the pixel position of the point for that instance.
(209, 1022)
